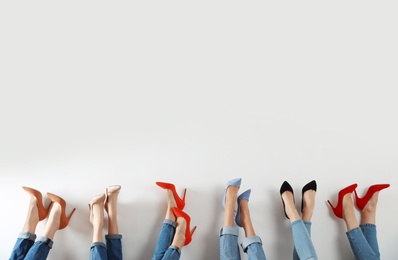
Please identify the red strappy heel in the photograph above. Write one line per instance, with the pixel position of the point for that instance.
(43, 212)
(361, 202)
(338, 210)
(188, 233)
(64, 221)
(169, 186)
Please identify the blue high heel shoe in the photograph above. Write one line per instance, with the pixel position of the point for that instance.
(235, 182)
(244, 196)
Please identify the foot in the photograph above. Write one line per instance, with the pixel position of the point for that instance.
(308, 204)
(96, 206)
(290, 207)
(32, 218)
(368, 213)
(54, 220)
(171, 203)
(231, 195)
(245, 218)
(179, 237)
(349, 212)
(112, 194)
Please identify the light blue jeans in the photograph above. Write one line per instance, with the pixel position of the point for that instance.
(229, 248)
(112, 250)
(303, 247)
(363, 241)
(26, 248)
(164, 250)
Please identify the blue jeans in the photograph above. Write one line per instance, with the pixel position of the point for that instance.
(26, 248)
(112, 250)
(229, 248)
(363, 241)
(164, 250)
(303, 247)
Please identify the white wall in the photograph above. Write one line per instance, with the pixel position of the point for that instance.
(94, 94)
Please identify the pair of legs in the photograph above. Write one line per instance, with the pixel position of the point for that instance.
(301, 227)
(172, 236)
(362, 237)
(252, 244)
(27, 246)
(113, 247)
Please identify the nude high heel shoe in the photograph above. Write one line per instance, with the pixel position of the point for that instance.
(108, 191)
(64, 221)
(43, 212)
(97, 199)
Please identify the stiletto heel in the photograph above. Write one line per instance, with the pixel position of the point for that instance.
(108, 191)
(361, 202)
(338, 210)
(188, 233)
(99, 198)
(42, 212)
(169, 186)
(244, 196)
(285, 187)
(235, 182)
(309, 186)
(64, 221)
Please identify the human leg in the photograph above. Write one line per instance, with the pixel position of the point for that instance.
(114, 238)
(98, 250)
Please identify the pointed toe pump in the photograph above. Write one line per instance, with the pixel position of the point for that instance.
(244, 196)
(169, 186)
(285, 187)
(110, 190)
(64, 221)
(188, 232)
(235, 182)
(361, 202)
(338, 210)
(43, 212)
(309, 186)
(97, 199)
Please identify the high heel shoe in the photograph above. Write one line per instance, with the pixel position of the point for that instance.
(235, 182)
(361, 202)
(309, 186)
(64, 221)
(169, 186)
(244, 196)
(285, 187)
(109, 190)
(338, 210)
(97, 199)
(188, 233)
(42, 212)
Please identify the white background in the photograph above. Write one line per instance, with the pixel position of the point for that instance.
(94, 94)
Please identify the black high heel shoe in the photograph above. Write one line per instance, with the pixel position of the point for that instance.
(285, 187)
(309, 186)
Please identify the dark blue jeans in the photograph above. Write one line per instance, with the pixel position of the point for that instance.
(164, 250)
(26, 248)
(112, 250)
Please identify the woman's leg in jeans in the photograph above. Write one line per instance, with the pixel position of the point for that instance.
(174, 251)
(301, 238)
(98, 248)
(114, 238)
(229, 248)
(168, 230)
(27, 237)
(360, 247)
(252, 245)
(41, 248)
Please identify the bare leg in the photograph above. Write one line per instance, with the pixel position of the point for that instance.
(53, 221)
(290, 207)
(349, 213)
(368, 213)
(179, 237)
(32, 218)
(111, 209)
(245, 218)
(98, 221)
(230, 202)
(171, 203)
(308, 205)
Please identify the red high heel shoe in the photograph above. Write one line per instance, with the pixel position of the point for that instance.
(188, 233)
(43, 212)
(338, 210)
(361, 202)
(180, 202)
(64, 221)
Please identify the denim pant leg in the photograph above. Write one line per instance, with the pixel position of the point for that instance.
(229, 248)
(302, 240)
(369, 231)
(24, 242)
(308, 227)
(114, 246)
(40, 249)
(253, 247)
(172, 253)
(98, 251)
(360, 246)
(165, 239)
